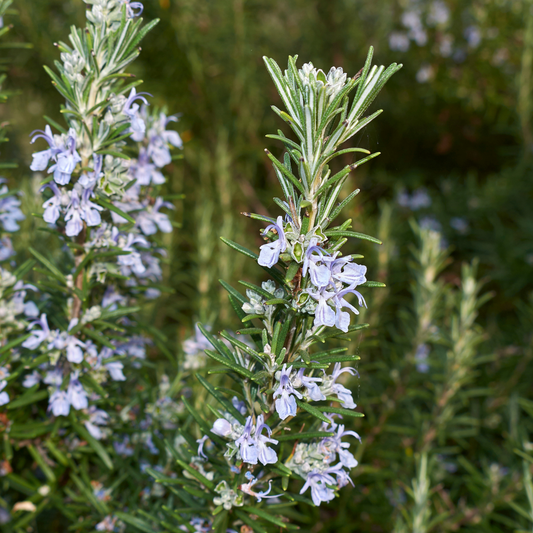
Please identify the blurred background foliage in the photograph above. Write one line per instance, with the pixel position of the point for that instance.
(457, 126)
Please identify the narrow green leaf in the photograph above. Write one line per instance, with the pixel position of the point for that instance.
(239, 248)
(108, 205)
(201, 478)
(237, 295)
(135, 522)
(340, 411)
(47, 264)
(334, 233)
(265, 515)
(221, 399)
(313, 411)
(233, 366)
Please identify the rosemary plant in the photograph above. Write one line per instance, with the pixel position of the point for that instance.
(102, 202)
(278, 430)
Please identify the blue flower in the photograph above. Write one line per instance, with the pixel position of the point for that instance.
(247, 444)
(324, 314)
(97, 418)
(4, 396)
(88, 181)
(344, 394)
(159, 139)
(347, 272)
(41, 159)
(247, 488)
(150, 219)
(37, 337)
(52, 206)
(313, 390)
(221, 427)
(76, 395)
(9, 209)
(131, 7)
(320, 483)
(320, 274)
(131, 110)
(144, 171)
(66, 158)
(201, 443)
(269, 254)
(342, 318)
(6, 248)
(284, 394)
(31, 379)
(59, 403)
(265, 454)
(330, 446)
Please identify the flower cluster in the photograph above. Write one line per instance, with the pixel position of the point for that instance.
(108, 203)
(248, 442)
(314, 462)
(330, 277)
(283, 390)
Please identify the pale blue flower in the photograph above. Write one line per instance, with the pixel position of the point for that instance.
(80, 209)
(54, 378)
(221, 427)
(269, 254)
(285, 394)
(37, 336)
(342, 318)
(265, 454)
(331, 446)
(344, 394)
(73, 216)
(41, 159)
(144, 172)
(73, 346)
(52, 206)
(313, 389)
(150, 219)
(31, 379)
(59, 403)
(77, 397)
(247, 488)
(112, 299)
(238, 404)
(131, 110)
(201, 443)
(4, 396)
(10, 212)
(324, 314)
(318, 482)
(124, 447)
(88, 180)
(320, 274)
(350, 273)
(421, 358)
(247, 444)
(67, 159)
(159, 139)
(114, 367)
(132, 261)
(97, 418)
(133, 9)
